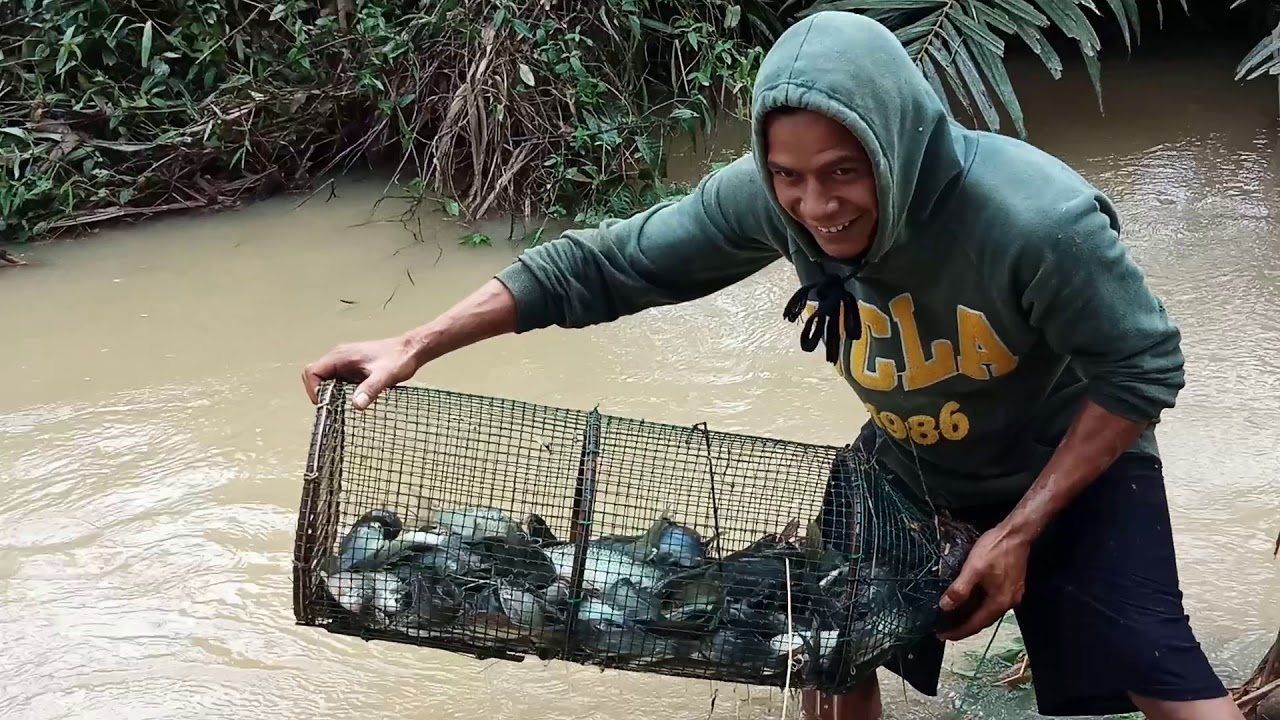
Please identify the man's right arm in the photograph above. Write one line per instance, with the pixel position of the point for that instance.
(671, 253)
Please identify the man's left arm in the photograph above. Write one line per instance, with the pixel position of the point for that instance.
(1092, 304)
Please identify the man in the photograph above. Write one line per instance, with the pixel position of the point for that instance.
(974, 292)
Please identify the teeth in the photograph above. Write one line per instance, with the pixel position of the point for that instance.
(835, 229)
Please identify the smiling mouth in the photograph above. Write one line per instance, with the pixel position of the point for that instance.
(834, 228)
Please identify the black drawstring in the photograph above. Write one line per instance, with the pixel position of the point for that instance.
(824, 322)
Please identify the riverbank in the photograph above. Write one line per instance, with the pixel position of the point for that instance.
(111, 113)
(115, 112)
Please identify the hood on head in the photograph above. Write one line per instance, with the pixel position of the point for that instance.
(854, 70)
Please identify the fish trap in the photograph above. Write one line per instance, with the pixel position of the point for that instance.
(505, 529)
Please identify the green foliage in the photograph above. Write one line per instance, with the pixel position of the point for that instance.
(960, 44)
(111, 110)
(963, 42)
(114, 109)
(1264, 58)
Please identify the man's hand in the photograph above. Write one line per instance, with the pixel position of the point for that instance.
(997, 564)
(375, 364)
(379, 364)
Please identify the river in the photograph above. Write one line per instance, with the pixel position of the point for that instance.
(153, 428)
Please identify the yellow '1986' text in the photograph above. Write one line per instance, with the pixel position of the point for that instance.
(950, 424)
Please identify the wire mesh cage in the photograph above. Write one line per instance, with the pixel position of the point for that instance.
(499, 528)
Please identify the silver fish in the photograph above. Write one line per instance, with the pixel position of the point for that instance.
(803, 641)
(451, 556)
(679, 546)
(635, 604)
(617, 642)
(406, 544)
(360, 591)
(475, 522)
(665, 543)
(593, 610)
(433, 601)
(741, 651)
(361, 547)
(877, 633)
(525, 609)
(603, 567)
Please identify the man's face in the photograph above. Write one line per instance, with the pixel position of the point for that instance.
(824, 179)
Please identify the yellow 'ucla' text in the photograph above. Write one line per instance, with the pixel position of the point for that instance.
(981, 353)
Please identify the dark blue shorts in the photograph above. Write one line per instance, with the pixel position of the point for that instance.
(1101, 615)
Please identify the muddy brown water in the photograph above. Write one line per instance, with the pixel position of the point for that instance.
(153, 428)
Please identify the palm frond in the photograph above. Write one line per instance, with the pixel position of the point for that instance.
(1264, 58)
(962, 42)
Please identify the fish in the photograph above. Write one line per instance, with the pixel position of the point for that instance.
(679, 546)
(805, 641)
(603, 566)
(666, 543)
(659, 595)
(525, 609)
(634, 603)
(397, 548)
(474, 522)
(526, 563)
(875, 635)
(451, 556)
(957, 539)
(593, 610)
(621, 642)
(538, 530)
(433, 601)
(743, 651)
(358, 592)
(365, 544)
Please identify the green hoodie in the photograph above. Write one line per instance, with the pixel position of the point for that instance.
(995, 297)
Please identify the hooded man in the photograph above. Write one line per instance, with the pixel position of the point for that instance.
(974, 293)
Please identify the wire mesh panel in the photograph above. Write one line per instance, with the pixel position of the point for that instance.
(506, 529)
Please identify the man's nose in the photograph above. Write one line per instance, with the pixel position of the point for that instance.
(818, 201)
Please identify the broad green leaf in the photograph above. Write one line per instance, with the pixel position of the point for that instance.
(1117, 7)
(146, 44)
(992, 16)
(1022, 9)
(732, 15)
(1135, 17)
(943, 57)
(976, 32)
(993, 68)
(1041, 47)
(1263, 58)
(1071, 21)
(1094, 68)
(919, 29)
(931, 74)
(964, 62)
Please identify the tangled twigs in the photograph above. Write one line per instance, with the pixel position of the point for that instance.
(1259, 696)
(1264, 683)
(494, 104)
(1020, 674)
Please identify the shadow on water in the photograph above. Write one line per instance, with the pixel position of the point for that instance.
(154, 428)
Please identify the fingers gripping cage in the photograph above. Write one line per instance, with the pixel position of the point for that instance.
(499, 528)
